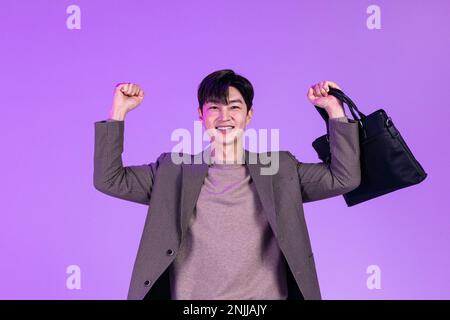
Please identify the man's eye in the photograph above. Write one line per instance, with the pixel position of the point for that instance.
(235, 107)
(213, 107)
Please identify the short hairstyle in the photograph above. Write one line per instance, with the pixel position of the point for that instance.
(214, 88)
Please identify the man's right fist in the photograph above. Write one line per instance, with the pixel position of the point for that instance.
(127, 96)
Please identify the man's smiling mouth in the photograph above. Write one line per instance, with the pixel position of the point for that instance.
(225, 128)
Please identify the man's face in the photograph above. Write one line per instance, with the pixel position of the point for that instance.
(226, 122)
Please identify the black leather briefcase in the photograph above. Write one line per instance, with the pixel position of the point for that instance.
(387, 163)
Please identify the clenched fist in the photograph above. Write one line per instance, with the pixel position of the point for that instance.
(127, 96)
(318, 95)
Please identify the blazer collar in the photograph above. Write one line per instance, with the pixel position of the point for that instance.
(194, 174)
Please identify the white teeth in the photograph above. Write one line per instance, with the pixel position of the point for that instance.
(225, 128)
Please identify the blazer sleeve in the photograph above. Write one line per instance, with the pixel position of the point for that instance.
(132, 183)
(320, 180)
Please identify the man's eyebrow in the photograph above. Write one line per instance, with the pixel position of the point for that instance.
(231, 101)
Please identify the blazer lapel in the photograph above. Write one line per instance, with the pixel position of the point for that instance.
(264, 187)
(192, 179)
(193, 176)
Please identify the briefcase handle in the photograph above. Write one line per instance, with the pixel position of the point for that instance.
(344, 99)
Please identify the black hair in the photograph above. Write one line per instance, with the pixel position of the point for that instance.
(214, 88)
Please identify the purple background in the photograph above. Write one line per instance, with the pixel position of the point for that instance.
(57, 82)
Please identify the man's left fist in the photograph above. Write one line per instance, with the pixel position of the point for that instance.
(318, 96)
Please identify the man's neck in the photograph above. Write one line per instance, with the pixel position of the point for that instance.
(231, 153)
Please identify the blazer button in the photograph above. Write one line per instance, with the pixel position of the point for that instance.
(147, 283)
(169, 252)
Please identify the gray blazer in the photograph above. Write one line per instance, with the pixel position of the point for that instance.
(171, 191)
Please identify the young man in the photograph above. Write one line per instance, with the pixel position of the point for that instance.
(219, 228)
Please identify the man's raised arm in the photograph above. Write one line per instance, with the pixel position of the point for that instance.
(132, 183)
(343, 174)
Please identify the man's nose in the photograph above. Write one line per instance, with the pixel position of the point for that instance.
(223, 114)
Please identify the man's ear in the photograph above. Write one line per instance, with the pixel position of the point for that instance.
(249, 116)
(200, 113)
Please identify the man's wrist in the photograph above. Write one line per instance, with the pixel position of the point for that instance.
(117, 115)
(335, 111)
(336, 115)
